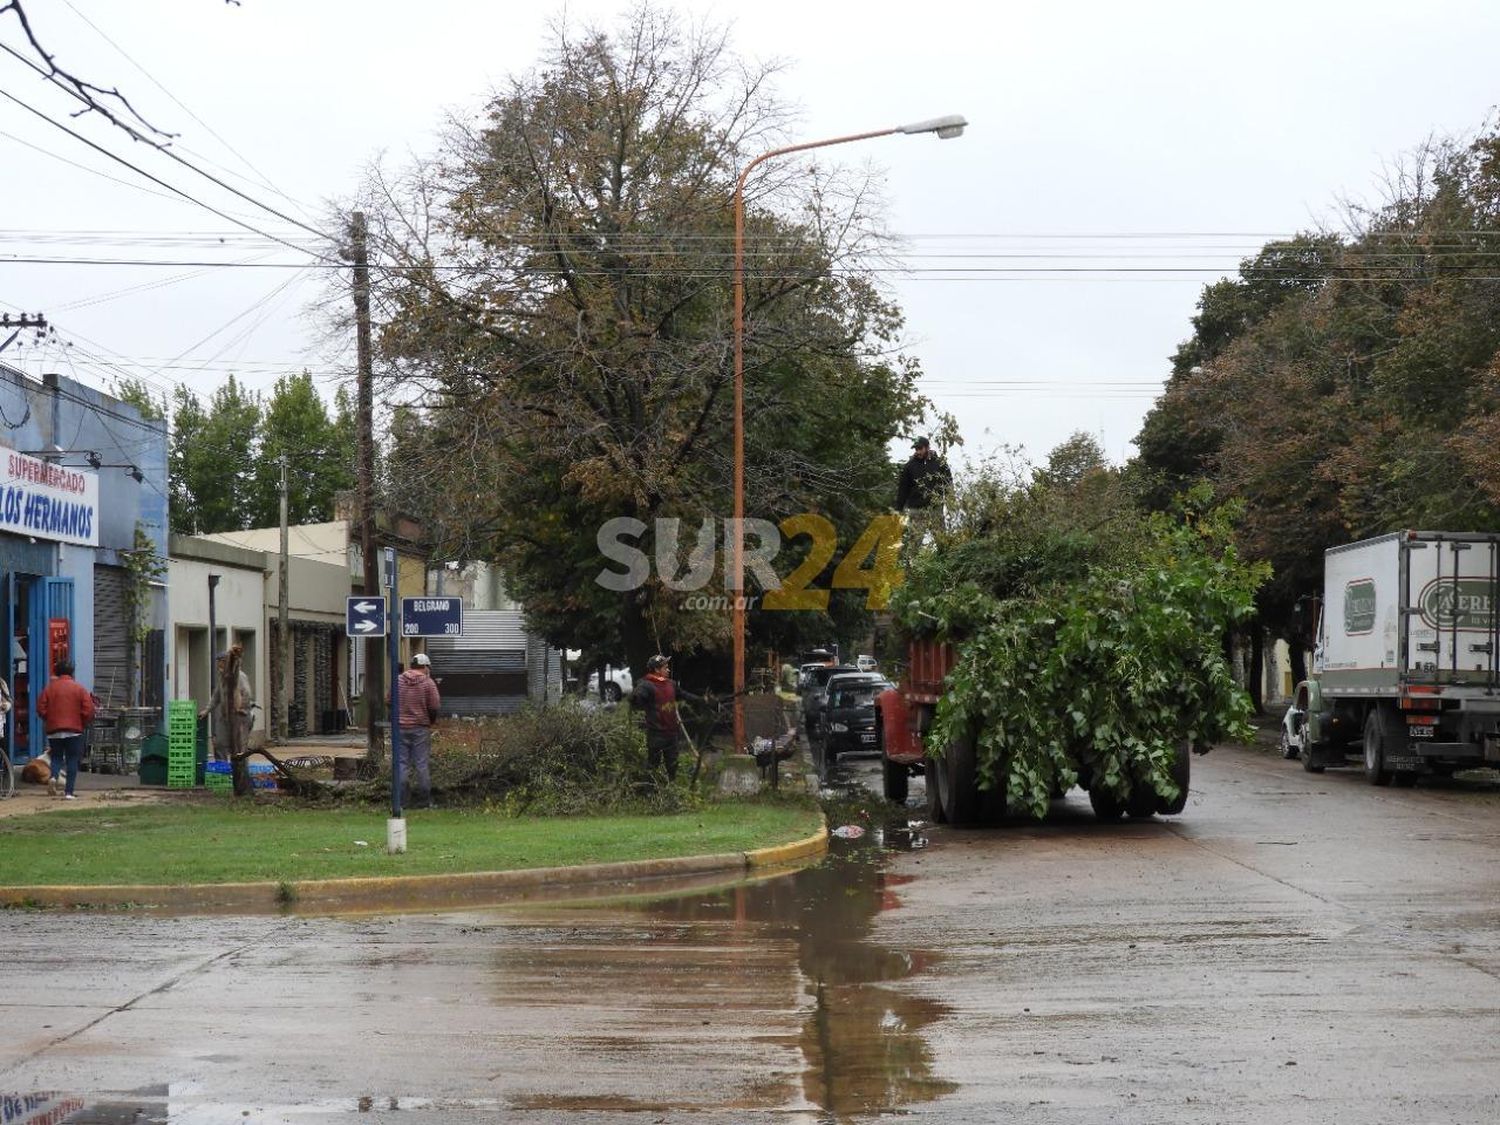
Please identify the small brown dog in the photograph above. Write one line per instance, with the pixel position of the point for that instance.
(38, 771)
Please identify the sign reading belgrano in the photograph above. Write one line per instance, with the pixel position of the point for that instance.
(48, 501)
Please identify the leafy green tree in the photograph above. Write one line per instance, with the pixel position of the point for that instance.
(1361, 398)
(152, 406)
(212, 459)
(295, 424)
(560, 323)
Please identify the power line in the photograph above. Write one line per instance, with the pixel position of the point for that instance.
(154, 179)
(189, 165)
(264, 179)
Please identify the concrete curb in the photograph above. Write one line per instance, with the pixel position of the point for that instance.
(408, 891)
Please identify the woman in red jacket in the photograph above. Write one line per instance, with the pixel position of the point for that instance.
(66, 708)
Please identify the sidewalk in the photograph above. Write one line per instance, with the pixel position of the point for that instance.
(125, 789)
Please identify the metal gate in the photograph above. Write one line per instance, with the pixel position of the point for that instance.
(111, 637)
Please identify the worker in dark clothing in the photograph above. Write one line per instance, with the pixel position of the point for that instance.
(921, 493)
(925, 479)
(657, 696)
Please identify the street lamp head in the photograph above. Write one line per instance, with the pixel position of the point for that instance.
(945, 127)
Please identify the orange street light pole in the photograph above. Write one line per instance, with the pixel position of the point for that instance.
(945, 127)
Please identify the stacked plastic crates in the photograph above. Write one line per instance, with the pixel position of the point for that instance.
(182, 743)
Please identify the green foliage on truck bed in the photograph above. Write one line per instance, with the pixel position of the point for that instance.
(1090, 634)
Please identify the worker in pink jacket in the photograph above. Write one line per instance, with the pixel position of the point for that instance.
(416, 711)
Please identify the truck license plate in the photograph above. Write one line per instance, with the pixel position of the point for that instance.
(867, 736)
(1421, 732)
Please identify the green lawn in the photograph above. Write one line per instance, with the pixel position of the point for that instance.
(225, 842)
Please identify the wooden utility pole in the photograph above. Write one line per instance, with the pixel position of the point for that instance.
(365, 420)
(283, 649)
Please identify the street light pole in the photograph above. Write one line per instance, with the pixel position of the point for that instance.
(946, 128)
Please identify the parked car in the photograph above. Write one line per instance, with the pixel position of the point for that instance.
(617, 684)
(815, 693)
(866, 663)
(848, 721)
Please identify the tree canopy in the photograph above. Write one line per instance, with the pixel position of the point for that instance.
(1346, 386)
(557, 321)
(224, 460)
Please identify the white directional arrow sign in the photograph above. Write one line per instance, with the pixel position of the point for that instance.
(364, 617)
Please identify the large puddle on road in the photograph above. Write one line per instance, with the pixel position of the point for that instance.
(861, 1042)
(767, 997)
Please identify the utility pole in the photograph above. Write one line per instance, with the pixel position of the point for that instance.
(283, 630)
(17, 323)
(365, 420)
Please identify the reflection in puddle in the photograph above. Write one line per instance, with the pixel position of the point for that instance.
(725, 956)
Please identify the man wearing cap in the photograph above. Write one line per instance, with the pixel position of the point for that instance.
(417, 709)
(925, 483)
(657, 695)
(238, 711)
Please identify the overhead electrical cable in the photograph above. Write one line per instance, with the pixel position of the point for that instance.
(264, 179)
(189, 165)
(160, 182)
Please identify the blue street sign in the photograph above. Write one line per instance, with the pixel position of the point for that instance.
(432, 617)
(364, 617)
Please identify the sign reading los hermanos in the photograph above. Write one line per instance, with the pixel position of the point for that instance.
(48, 501)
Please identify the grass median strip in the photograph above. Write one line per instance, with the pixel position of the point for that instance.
(226, 842)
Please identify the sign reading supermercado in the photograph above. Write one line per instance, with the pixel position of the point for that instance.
(48, 501)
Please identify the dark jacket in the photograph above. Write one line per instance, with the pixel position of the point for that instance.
(925, 481)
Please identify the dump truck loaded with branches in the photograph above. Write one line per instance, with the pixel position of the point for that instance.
(1057, 637)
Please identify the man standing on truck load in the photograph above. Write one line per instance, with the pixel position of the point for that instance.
(921, 493)
(657, 695)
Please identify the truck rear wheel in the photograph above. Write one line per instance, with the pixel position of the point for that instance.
(1182, 774)
(1106, 805)
(935, 812)
(1380, 739)
(1141, 804)
(894, 776)
(958, 783)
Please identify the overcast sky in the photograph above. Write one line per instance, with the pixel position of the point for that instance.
(1118, 157)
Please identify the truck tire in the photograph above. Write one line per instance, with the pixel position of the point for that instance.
(1141, 804)
(1312, 762)
(1182, 774)
(934, 805)
(1107, 806)
(1378, 739)
(896, 778)
(958, 784)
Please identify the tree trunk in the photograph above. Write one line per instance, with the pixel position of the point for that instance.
(635, 631)
(1257, 675)
(1299, 662)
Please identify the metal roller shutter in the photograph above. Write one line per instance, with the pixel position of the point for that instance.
(482, 672)
(111, 635)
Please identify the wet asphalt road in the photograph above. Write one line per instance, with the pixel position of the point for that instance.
(1292, 949)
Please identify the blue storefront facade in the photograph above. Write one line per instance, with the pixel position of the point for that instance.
(81, 473)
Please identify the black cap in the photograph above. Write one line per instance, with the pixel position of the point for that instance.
(920, 443)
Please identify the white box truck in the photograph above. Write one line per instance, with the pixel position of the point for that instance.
(1407, 661)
